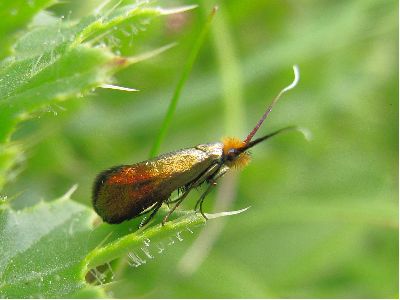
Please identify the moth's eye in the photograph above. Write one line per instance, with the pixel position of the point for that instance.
(232, 153)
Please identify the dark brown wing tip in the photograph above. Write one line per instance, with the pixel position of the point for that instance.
(101, 178)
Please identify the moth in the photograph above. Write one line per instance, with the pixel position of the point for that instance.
(124, 192)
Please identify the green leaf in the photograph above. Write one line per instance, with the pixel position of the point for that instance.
(48, 249)
(60, 60)
(42, 249)
(120, 246)
(26, 89)
(33, 84)
(14, 16)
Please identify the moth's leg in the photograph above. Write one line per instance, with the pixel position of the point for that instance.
(147, 210)
(203, 196)
(212, 182)
(213, 169)
(155, 208)
(201, 210)
(221, 172)
(178, 202)
(199, 203)
(206, 174)
(168, 202)
(179, 191)
(173, 201)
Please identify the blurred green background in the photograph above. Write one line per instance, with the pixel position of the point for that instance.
(324, 214)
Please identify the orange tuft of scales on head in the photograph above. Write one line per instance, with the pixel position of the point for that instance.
(234, 143)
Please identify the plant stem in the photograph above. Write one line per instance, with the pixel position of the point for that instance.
(185, 75)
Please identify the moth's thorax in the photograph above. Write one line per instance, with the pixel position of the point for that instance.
(213, 150)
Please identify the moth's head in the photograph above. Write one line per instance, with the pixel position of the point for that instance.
(234, 154)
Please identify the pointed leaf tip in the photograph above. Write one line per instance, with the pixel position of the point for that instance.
(176, 10)
(69, 193)
(226, 213)
(306, 133)
(150, 54)
(117, 87)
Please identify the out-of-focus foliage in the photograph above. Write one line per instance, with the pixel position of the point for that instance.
(324, 215)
